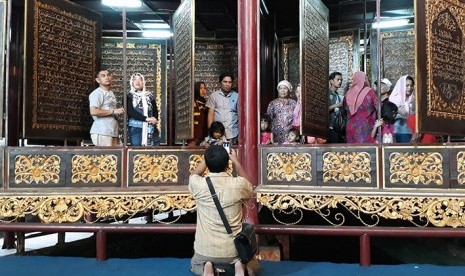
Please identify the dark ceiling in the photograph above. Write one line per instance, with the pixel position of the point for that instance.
(218, 18)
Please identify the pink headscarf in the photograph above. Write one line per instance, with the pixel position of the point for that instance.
(357, 92)
(398, 95)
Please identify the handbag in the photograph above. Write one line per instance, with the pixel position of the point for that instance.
(340, 122)
(245, 241)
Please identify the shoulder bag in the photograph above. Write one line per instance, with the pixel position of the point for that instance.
(245, 241)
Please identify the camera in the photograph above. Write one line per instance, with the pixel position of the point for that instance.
(227, 147)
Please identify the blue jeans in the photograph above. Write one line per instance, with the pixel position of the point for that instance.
(403, 138)
(135, 136)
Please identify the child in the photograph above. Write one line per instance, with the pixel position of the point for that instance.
(292, 137)
(266, 136)
(215, 135)
(388, 118)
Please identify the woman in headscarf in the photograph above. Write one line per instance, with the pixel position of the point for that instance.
(361, 104)
(402, 96)
(142, 114)
(281, 112)
(200, 114)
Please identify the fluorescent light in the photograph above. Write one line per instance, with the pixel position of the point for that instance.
(390, 23)
(362, 41)
(145, 26)
(122, 3)
(158, 34)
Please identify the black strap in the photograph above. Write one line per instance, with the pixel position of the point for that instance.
(218, 206)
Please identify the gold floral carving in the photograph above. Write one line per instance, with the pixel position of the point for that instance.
(437, 106)
(73, 208)
(94, 168)
(37, 169)
(347, 167)
(289, 166)
(195, 159)
(155, 168)
(461, 167)
(439, 212)
(424, 168)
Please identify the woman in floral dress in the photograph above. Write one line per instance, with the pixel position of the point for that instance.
(281, 112)
(361, 104)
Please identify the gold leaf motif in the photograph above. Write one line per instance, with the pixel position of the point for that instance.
(94, 168)
(60, 209)
(64, 208)
(155, 168)
(347, 167)
(440, 212)
(37, 169)
(424, 168)
(461, 167)
(195, 159)
(289, 166)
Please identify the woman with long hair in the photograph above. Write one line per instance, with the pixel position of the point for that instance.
(200, 114)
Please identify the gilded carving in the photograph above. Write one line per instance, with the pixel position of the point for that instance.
(63, 208)
(155, 168)
(445, 27)
(347, 167)
(94, 168)
(461, 167)
(195, 159)
(37, 169)
(439, 212)
(289, 166)
(341, 48)
(424, 168)
(398, 54)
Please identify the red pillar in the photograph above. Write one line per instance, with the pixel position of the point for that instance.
(101, 241)
(248, 24)
(365, 250)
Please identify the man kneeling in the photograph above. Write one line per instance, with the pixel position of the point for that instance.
(212, 245)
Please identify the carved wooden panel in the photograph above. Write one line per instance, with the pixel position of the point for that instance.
(39, 168)
(314, 64)
(2, 56)
(441, 70)
(145, 56)
(212, 59)
(294, 166)
(416, 167)
(397, 54)
(183, 29)
(62, 49)
(290, 62)
(347, 167)
(344, 55)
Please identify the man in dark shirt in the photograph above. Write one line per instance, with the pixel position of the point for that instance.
(335, 106)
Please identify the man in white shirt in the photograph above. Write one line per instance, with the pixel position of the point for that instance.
(102, 105)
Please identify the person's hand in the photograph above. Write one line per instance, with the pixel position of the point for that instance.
(118, 111)
(152, 120)
(378, 123)
(338, 104)
(416, 137)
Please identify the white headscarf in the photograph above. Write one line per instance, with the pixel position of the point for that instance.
(399, 95)
(285, 83)
(141, 97)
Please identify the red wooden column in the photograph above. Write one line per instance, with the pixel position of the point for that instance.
(248, 24)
